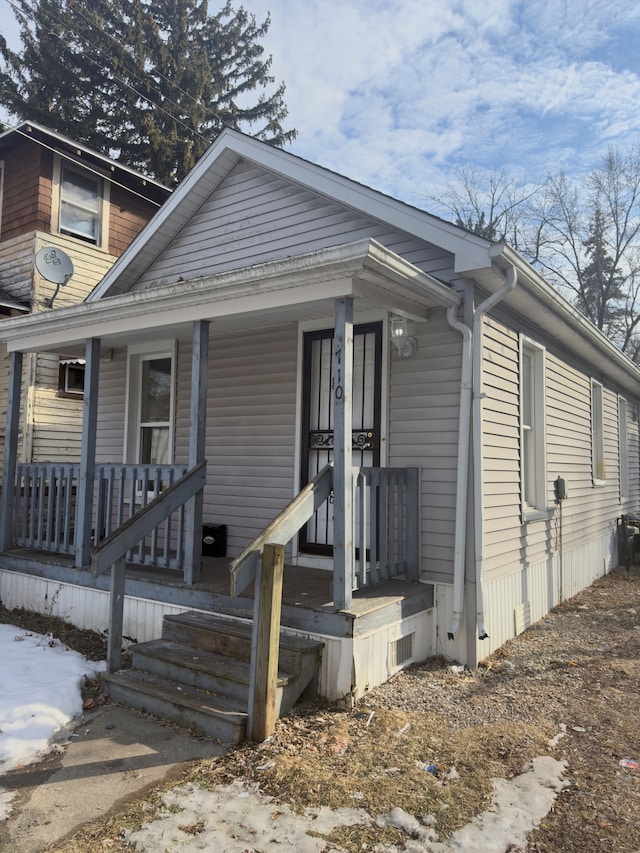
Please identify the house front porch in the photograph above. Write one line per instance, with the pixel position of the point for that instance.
(387, 625)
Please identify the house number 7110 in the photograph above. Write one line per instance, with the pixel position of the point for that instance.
(337, 377)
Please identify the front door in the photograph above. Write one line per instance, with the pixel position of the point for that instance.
(317, 417)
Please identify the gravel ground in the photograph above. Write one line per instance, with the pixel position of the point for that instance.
(569, 687)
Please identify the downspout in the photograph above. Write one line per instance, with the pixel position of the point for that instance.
(462, 483)
(478, 479)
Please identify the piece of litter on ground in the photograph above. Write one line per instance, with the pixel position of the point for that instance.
(629, 763)
(403, 730)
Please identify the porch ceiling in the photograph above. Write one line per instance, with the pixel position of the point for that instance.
(299, 288)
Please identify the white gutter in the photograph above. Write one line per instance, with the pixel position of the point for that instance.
(462, 483)
(478, 479)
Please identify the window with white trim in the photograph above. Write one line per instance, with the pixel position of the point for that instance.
(623, 449)
(533, 463)
(71, 378)
(151, 407)
(80, 212)
(598, 468)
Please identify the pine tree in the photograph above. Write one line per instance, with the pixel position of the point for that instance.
(601, 285)
(150, 82)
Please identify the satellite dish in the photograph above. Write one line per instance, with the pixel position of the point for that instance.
(54, 265)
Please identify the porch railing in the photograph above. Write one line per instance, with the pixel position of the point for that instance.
(45, 509)
(386, 505)
(386, 524)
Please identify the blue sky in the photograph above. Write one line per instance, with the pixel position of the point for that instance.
(398, 93)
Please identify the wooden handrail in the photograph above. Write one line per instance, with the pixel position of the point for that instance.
(116, 545)
(282, 528)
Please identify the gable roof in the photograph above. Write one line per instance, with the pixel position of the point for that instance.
(469, 250)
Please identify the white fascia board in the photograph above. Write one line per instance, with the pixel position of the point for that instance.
(473, 250)
(324, 274)
(562, 319)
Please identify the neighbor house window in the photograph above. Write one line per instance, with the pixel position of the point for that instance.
(623, 448)
(598, 470)
(71, 378)
(80, 204)
(151, 405)
(533, 471)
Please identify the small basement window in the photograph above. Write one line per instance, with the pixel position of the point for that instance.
(71, 378)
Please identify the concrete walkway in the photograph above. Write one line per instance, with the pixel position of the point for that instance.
(114, 755)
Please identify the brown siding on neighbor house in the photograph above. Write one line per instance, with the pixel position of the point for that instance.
(27, 191)
(128, 214)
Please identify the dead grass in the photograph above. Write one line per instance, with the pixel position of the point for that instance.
(431, 740)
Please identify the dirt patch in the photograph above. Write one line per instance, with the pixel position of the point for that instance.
(91, 644)
(432, 738)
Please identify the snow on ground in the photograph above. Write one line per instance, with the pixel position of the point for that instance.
(237, 817)
(39, 695)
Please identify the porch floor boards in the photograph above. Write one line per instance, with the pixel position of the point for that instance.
(306, 597)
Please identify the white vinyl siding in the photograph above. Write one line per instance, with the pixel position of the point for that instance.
(110, 434)
(588, 514)
(251, 421)
(598, 464)
(424, 404)
(254, 217)
(623, 449)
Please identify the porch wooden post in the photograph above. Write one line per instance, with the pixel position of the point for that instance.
(116, 615)
(265, 645)
(343, 554)
(84, 499)
(10, 450)
(197, 438)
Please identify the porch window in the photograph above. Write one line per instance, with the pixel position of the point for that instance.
(80, 204)
(532, 429)
(623, 449)
(151, 405)
(598, 469)
(71, 378)
(155, 411)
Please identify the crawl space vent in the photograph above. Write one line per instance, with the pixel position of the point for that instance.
(401, 650)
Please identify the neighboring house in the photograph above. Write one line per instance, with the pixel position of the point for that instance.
(271, 309)
(58, 194)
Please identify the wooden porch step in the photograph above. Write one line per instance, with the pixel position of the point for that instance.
(198, 668)
(215, 716)
(198, 674)
(232, 637)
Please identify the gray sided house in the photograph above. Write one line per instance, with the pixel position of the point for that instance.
(271, 319)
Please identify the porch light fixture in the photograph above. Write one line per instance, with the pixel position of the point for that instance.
(405, 343)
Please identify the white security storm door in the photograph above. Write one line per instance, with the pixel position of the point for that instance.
(317, 417)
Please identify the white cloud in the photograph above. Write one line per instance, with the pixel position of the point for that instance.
(396, 93)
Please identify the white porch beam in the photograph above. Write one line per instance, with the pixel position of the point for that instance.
(197, 437)
(342, 455)
(84, 511)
